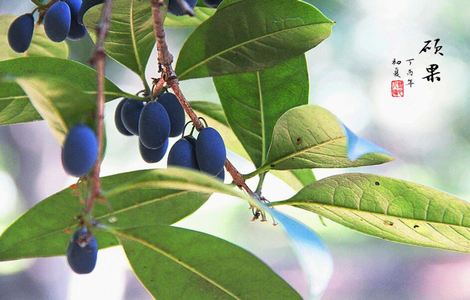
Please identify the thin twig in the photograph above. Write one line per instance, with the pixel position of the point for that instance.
(98, 60)
(165, 60)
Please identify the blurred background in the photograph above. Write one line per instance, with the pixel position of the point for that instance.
(350, 73)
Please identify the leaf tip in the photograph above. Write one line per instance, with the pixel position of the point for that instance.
(358, 147)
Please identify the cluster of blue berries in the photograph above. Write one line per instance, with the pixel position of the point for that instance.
(158, 120)
(61, 21)
(154, 122)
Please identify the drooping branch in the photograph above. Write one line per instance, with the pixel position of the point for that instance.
(165, 60)
(98, 60)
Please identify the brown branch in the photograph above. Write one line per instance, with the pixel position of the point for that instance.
(98, 60)
(165, 60)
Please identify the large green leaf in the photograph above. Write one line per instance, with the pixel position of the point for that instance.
(214, 115)
(130, 37)
(133, 199)
(251, 35)
(262, 96)
(201, 14)
(311, 137)
(392, 209)
(14, 104)
(41, 45)
(176, 263)
(62, 91)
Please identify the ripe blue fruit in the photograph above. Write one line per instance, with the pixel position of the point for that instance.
(174, 7)
(221, 175)
(183, 154)
(212, 3)
(86, 5)
(118, 120)
(130, 115)
(82, 251)
(20, 33)
(80, 150)
(154, 125)
(210, 151)
(153, 155)
(57, 21)
(175, 112)
(77, 30)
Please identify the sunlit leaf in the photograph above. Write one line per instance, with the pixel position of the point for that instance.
(68, 85)
(311, 137)
(391, 209)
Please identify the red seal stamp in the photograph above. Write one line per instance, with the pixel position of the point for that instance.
(397, 88)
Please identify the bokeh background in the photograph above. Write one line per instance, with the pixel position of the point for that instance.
(427, 131)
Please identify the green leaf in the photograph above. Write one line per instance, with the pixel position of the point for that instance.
(251, 35)
(305, 176)
(130, 37)
(311, 137)
(14, 104)
(133, 199)
(262, 96)
(62, 91)
(391, 209)
(214, 115)
(202, 14)
(41, 45)
(176, 263)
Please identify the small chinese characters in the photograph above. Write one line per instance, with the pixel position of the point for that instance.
(403, 72)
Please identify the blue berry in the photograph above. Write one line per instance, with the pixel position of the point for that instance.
(183, 154)
(174, 7)
(210, 151)
(20, 33)
(82, 252)
(153, 155)
(80, 150)
(86, 5)
(212, 3)
(77, 30)
(221, 175)
(175, 112)
(118, 120)
(154, 125)
(130, 115)
(57, 21)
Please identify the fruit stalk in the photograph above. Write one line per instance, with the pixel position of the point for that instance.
(98, 60)
(165, 60)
